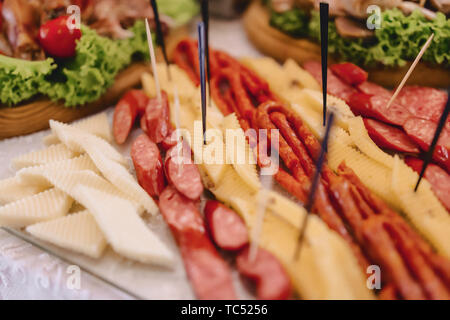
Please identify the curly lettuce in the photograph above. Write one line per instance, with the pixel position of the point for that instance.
(293, 22)
(21, 79)
(77, 81)
(92, 71)
(399, 39)
(181, 11)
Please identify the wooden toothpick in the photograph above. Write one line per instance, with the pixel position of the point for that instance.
(411, 69)
(153, 61)
(160, 36)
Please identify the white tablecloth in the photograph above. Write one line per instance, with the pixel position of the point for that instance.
(26, 272)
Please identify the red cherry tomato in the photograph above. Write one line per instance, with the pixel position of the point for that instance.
(57, 39)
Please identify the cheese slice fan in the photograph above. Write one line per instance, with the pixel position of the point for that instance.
(124, 230)
(77, 232)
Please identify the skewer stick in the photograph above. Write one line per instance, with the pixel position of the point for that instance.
(205, 18)
(430, 152)
(153, 61)
(201, 54)
(314, 185)
(263, 195)
(324, 13)
(160, 36)
(411, 69)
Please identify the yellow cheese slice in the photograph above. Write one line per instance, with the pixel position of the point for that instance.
(299, 76)
(97, 125)
(12, 189)
(77, 232)
(361, 138)
(124, 230)
(239, 153)
(54, 153)
(422, 208)
(373, 174)
(43, 206)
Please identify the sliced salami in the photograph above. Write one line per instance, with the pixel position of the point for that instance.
(349, 73)
(209, 274)
(335, 86)
(183, 173)
(272, 281)
(226, 228)
(422, 132)
(436, 176)
(423, 102)
(374, 89)
(131, 106)
(389, 137)
(374, 106)
(148, 165)
(157, 123)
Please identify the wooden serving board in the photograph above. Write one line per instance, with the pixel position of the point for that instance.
(34, 116)
(280, 46)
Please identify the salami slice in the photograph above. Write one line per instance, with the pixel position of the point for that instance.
(349, 73)
(208, 273)
(438, 178)
(374, 106)
(423, 102)
(157, 115)
(389, 137)
(183, 174)
(335, 86)
(226, 228)
(148, 165)
(422, 132)
(131, 106)
(374, 89)
(272, 281)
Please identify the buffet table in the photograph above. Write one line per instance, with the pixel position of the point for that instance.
(27, 272)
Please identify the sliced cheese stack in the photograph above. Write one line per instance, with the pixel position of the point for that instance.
(97, 125)
(43, 206)
(12, 189)
(124, 230)
(238, 152)
(78, 232)
(54, 153)
(422, 208)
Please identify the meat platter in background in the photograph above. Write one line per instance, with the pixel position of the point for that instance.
(50, 71)
(286, 29)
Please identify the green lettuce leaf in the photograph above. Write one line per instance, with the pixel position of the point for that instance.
(181, 11)
(98, 60)
(293, 22)
(21, 79)
(399, 39)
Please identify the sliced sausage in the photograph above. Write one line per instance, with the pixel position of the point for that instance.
(148, 165)
(374, 89)
(209, 274)
(183, 173)
(374, 106)
(389, 137)
(349, 73)
(272, 281)
(423, 102)
(422, 132)
(226, 228)
(157, 118)
(335, 86)
(170, 141)
(437, 177)
(127, 110)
